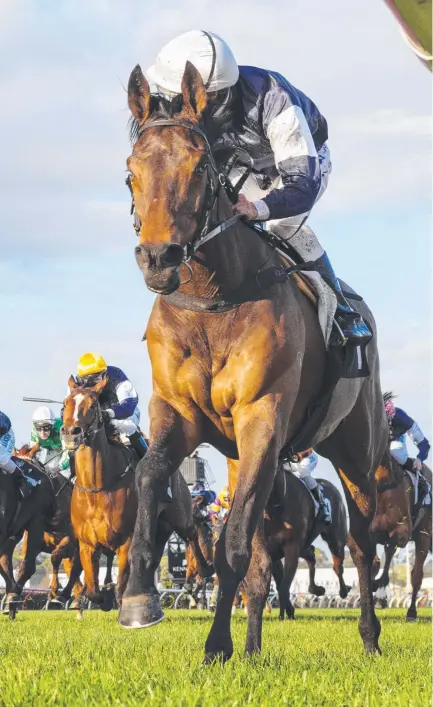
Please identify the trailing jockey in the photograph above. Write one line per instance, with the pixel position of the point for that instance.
(46, 435)
(202, 499)
(303, 466)
(221, 506)
(283, 132)
(400, 425)
(7, 464)
(118, 400)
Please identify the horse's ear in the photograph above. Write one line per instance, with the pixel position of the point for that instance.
(72, 383)
(193, 92)
(99, 386)
(138, 95)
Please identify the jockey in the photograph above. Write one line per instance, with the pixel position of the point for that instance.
(302, 466)
(202, 498)
(7, 464)
(401, 424)
(118, 400)
(283, 132)
(221, 505)
(46, 434)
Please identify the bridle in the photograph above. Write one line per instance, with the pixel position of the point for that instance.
(86, 436)
(216, 179)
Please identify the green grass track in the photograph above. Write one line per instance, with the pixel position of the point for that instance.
(50, 658)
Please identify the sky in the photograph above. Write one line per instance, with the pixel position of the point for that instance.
(68, 278)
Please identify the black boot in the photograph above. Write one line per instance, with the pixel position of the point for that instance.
(138, 444)
(324, 505)
(352, 326)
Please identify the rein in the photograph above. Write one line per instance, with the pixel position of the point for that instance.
(105, 489)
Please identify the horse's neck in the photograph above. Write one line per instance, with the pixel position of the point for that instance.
(92, 467)
(227, 260)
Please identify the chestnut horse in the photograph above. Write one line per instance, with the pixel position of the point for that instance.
(104, 499)
(422, 537)
(234, 365)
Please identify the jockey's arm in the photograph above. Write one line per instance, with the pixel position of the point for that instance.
(295, 155)
(420, 441)
(7, 444)
(127, 400)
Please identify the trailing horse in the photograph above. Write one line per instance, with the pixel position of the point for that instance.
(205, 538)
(291, 527)
(422, 537)
(18, 515)
(104, 499)
(238, 358)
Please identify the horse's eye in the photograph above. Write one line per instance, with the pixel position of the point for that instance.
(201, 168)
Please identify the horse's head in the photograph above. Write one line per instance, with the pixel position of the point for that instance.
(82, 414)
(173, 177)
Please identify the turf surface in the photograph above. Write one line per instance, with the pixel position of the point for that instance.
(50, 658)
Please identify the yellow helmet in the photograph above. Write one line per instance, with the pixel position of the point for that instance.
(91, 363)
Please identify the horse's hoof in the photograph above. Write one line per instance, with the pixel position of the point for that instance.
(141, 611)
(220, 657)
(411, 616)
(316, 590)
(56, 603)
(372, 649)
(107, 603)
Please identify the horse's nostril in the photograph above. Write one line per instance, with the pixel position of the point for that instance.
(137, 250)
(172, 255)
(76, 430)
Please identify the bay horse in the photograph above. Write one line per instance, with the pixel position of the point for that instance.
(205, 539)
(291, 528)
(421, 536)
(236, 366)
(18, 515)
(104, 498)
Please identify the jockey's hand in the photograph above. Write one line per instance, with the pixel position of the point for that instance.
(417, 464)
(245, 208)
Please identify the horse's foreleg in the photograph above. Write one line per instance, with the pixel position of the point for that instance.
(383, 580)
(6, 566)
(89, 558)
(422, 543)
(259, 446)
(34, 545)
(258, 580)
(173, 438)
(109, 571)
(122, 569)
(74, 585)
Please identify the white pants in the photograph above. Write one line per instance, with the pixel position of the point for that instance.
(129, 425)
(399, 451)
(305, 468)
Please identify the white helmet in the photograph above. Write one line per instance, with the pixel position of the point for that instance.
(44, 414)
(210, 54)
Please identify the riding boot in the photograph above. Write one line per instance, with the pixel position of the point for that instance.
(138, 444)
(352, 326)
(424, 490)
(324, 505)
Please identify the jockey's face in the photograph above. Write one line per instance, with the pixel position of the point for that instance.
(43, 429)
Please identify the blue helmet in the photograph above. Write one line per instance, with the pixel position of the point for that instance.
(198, 489)
(5, 424)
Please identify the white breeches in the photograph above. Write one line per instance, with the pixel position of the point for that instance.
(129, 425)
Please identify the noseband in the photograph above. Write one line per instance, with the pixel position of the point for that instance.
(216, 180)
